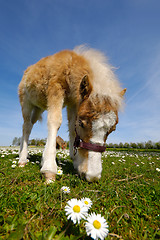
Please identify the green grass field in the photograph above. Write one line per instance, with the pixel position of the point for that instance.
(127, 196)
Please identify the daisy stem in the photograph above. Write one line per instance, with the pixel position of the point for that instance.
(61, 191)
(60, 235)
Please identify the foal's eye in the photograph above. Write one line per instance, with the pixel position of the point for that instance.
(81, 124)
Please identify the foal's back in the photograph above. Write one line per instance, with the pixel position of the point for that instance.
(62, 71)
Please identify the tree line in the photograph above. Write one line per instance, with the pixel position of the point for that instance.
(142, 145)
(34, 142)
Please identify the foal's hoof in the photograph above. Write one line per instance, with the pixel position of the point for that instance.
(21, 164)
(50, 177)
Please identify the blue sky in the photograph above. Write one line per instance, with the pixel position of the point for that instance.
(127, 31)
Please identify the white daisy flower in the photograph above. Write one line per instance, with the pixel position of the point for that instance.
(96, 226)
(87, 202)
(75, 210)
(59, 172)
(14, 162)
(13, 165)
(158, 169)
(65, 189)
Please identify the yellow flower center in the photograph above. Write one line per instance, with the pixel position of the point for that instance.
(76, 209)
(65, 189)
(97, 224)
(86, 202)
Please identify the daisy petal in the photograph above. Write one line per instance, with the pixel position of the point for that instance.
(75, 210)
(96, 226)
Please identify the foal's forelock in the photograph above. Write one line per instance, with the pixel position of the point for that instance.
(102, 126)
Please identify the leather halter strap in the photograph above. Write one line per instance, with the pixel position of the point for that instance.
(89, 146)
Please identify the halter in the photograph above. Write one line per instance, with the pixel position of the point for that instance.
(79, 143)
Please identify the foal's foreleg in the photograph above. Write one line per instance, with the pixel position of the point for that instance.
(49, 166)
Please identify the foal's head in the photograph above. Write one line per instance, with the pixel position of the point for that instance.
(97, 117)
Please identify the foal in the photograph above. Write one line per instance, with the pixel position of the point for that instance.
(85, 83)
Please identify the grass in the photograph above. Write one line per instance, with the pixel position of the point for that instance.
(127, 196)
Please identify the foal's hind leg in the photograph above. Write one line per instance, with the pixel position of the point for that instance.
(27, 127)
(30, 115)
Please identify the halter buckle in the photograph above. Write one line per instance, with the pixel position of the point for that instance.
(78, 142)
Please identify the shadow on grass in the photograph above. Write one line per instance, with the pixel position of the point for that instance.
(66, 164)
(35, 158)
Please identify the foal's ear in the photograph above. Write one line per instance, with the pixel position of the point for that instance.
(85, 87)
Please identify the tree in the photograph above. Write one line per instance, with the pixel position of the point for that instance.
(32, 142)
(110, 145)
(120, 145)
(37, 142)
(140, 145)
(157, 145)
(115, 145)
(149, 145)
(16, 141)
(126, 145)
(133, 145)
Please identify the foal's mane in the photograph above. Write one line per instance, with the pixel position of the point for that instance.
(105, 82)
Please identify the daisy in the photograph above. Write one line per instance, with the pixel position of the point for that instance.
(96, 226)
(87, 202)
(75, 210)
(13, 165)
(59, 172)
(158, 169)
(65, 189)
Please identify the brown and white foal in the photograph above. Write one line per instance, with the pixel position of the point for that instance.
(85, 83)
